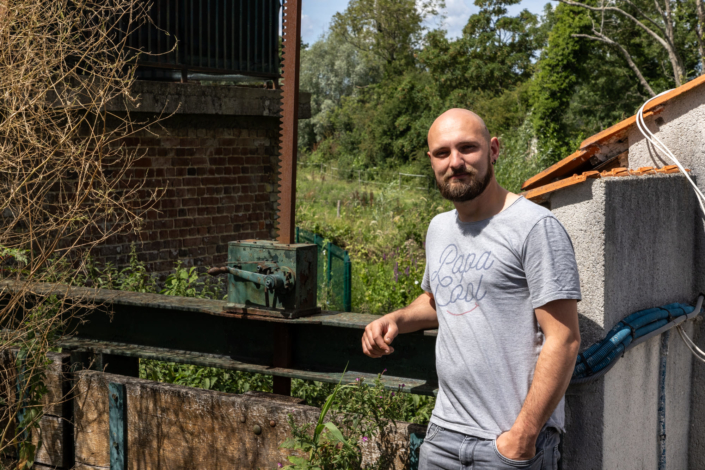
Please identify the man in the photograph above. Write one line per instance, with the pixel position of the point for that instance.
(501, 285)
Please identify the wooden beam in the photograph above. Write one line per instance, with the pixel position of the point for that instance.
(170, 426)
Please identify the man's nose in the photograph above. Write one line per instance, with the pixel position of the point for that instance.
(456, 160)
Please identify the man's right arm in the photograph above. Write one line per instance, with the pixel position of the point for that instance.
(419, 315)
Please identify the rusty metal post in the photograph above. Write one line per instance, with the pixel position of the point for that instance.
(291, 29)
(291, 36)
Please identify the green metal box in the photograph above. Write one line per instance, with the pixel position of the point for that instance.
(271, 278)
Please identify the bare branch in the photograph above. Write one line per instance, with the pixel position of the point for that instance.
(602, 38)
(67, 177)
(648, 30)
(666, 42)
(650, 20)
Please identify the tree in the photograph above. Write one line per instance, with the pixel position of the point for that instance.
(494, 54)
(331, 69)
(662, 22)
(390, 30)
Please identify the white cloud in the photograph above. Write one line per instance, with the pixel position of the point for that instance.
(307, 26)
(457, 13)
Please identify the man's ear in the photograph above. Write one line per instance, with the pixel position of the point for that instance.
(494, 148)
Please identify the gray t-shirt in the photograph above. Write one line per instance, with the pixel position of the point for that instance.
(487, 277)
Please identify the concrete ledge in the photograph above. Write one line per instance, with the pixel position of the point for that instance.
(194, 98)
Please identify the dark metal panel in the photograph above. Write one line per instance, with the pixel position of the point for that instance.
(319, 347)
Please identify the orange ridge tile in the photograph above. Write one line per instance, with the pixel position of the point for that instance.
(536, 193)
(559, 169)
(564, 183)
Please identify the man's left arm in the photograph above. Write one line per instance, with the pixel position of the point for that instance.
(554, 368)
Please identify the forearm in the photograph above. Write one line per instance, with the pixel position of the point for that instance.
(554, 369)
(418, 315)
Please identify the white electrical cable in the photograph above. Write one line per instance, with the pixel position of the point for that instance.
(697, 352)
(656, 142)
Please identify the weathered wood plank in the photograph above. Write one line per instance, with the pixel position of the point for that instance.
(53, 427)
(52, 451)
(170, 426)
(83, 466)
(56, 381)
(419, 387)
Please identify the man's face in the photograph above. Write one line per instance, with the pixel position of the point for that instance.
(461, 156)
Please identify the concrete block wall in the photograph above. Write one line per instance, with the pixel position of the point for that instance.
(634, 243)
(681, 126)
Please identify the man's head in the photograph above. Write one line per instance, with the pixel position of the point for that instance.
(462, 154)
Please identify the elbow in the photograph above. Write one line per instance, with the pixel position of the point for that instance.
(573, 344)
(567, 344)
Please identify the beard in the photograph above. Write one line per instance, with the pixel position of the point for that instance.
(461, 191)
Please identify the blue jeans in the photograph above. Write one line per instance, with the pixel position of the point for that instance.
(446, 449)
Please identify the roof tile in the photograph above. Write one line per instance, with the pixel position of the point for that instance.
(591, 145)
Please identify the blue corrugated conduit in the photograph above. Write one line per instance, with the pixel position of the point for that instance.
(638, 327)
(596, 360)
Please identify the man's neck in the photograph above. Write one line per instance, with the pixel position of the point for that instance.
(493, 200)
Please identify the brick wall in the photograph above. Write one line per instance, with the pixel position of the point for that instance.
(218, 176)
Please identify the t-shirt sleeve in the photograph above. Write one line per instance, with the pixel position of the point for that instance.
(426, 282)
(549, 263)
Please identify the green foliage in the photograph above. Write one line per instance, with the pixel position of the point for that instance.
(186, 282)
(134, 277)
(361, 412)
(494, 54)
(31, 365)
(208, 378)
(384, 125)
(389, 30)
(558, 71)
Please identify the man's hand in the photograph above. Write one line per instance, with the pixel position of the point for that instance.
(419, 315)
(515, 446)
(378, 336)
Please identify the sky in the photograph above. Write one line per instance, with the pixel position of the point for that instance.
(316, 15)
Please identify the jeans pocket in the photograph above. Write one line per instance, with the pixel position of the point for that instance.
(552, 457)
(431, 432)
(536, 462)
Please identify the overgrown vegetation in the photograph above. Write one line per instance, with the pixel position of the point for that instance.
(378, 77)
(186, 282)
(359, 413)
(62, 172)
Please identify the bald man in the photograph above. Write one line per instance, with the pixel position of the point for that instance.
(501, 285)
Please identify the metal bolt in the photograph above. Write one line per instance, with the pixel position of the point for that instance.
(272, 423)
(257, 429)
